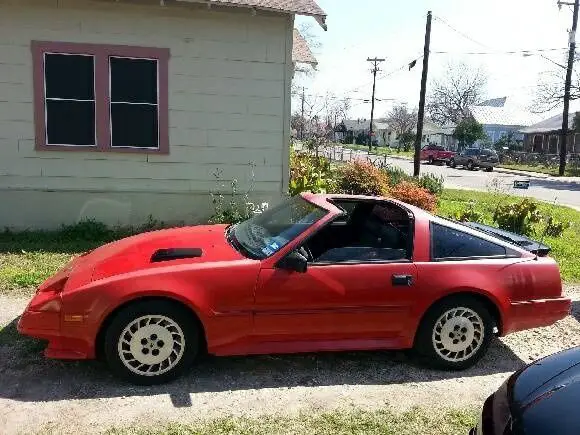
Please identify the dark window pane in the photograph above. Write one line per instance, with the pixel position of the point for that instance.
(69, 76)
(133, 80)
(134, 125)
(70, 122)
(450, 243)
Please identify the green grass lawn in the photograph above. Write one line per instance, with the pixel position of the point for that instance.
(564, 249)
(356, 421)
(550, 170)
(381, 151)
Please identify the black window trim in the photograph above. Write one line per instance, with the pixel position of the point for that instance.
(433, 259)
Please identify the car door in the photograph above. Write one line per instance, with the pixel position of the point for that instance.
(342, 303)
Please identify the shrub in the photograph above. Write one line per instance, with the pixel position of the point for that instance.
(555, 228)
(432, 183)
(396, 175)
(518, 217)
(470, 214)
(362, 178)
(309, 173)
(415, 195)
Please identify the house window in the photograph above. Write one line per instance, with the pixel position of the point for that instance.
(69, 99)
(134, 106)
(101, 97)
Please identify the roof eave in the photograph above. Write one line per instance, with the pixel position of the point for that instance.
(320, 19)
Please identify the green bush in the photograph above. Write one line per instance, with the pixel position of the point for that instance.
(469, 214)
(309, 173)
(518, 217)
(432, 183)
(362, 178)
(555, 228)
(396, 175)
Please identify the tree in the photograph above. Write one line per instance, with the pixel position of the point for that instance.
(401, 120)
(468, 131)
(507, 142)
(451, 94)
(550, 91)
(406, 140)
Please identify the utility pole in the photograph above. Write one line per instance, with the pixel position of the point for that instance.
(421, 112)
(375, 70)
(302, 115)
(571, 52)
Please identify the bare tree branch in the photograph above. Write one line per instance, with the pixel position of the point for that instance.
(401, 120)
(453, 93)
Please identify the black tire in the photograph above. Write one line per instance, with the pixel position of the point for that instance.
(184, 329)
(425, 339)
(470, 165)
(430, 160)
(489, 169)
(452, 163)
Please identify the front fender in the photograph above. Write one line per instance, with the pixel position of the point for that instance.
(221, 295)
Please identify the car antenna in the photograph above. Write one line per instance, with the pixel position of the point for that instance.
(545, 229)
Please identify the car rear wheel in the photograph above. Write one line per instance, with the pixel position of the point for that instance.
(489, 169)
(470, 165)
(151, 342)
(454, 334)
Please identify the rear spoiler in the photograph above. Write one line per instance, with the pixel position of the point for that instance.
(524, 242)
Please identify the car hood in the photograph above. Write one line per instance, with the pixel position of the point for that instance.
(191, 245)
(547, 391)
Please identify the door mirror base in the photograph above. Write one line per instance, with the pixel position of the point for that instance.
(294, 261)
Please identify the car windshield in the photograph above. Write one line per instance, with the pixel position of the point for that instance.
(262, 235)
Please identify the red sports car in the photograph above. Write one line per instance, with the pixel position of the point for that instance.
(315, 273)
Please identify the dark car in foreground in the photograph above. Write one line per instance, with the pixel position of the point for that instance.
(473, 158)
(540, 399)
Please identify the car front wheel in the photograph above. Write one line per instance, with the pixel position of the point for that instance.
(151, 342)
(454, 334)
(470, 165)
(452, 163)
(430, 160)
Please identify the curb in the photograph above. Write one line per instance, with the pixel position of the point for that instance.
(522, 173)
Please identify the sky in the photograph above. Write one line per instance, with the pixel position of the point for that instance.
(395, 30)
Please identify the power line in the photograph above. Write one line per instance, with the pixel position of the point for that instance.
(460, 32)
(530, 51)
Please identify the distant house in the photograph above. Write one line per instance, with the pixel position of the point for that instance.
(351, 129)
(545, 136)
(499, 117)
(439, 135)
(121, 110)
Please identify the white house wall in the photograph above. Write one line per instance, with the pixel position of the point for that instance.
(229, 105)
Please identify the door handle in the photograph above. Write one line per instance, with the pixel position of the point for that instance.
(402, 280)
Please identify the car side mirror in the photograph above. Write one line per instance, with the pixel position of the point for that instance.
(294, 261)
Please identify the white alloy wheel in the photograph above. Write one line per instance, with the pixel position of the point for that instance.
(151, 345)
(458, 334)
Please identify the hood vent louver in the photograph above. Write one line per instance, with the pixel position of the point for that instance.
(175, 254)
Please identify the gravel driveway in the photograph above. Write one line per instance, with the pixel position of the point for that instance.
(38, 395)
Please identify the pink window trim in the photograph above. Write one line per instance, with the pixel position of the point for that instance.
(102, 98)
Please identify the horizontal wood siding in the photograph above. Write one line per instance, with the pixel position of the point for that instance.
(228, 76)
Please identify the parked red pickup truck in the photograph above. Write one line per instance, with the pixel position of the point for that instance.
(435, 153)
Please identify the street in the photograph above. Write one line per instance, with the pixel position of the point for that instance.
(546, 189)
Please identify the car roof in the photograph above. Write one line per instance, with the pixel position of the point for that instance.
(326, 202)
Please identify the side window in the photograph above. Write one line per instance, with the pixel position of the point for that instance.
(449, 243)
(373, 233)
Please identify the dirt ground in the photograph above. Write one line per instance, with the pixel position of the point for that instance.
(41, 395)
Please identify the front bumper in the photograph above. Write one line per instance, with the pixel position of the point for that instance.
(65, 341)
(535, 313)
